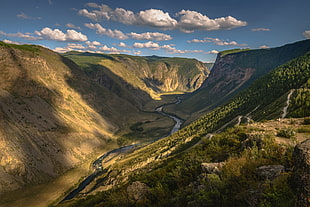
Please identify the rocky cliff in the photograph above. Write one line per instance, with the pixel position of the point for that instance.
(301, 174)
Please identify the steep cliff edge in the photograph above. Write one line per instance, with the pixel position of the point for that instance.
(232, 72)
(301, 174)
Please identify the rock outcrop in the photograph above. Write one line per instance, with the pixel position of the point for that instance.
(301, 174)
(270, 172)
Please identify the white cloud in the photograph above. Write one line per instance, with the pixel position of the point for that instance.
(260, 29)
(173, 50)
(168, 48)
(216, 41)
(264, 47)
(150, 45)
(58, 35)
(70, 25)
(307, 34)
(189, 21)
(112, 50)
(89, 15)
(212, 52)
(11, 42)
(122, 44)
(76, 46)
(25, 16)
(62, 49)
(154, 36)
(156, 18)
(117, 34)
(26, 36)
(92, 45)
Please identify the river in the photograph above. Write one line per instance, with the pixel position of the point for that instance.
(97, 164)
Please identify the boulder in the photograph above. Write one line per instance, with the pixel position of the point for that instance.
(211, 168)
(301, 174)
(270, 172)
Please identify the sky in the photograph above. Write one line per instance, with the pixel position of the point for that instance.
(181, 28)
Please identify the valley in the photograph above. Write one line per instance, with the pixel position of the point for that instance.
(140, 131)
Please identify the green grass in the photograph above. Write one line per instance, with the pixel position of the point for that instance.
(228, 52)
(30, 48)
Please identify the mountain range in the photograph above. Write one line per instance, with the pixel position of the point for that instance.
(59, 111)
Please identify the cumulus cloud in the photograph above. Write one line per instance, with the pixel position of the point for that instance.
(260, 29)
(92, 45)
(150, 45)
(192, 20)
(25, 16)
(122, 44)
(117, 34)
(212, 52)
(155, 46)
(112, 50)
(76, 46)
(307, 34)
(216, 41)
(58, 35)
(70, 25)
(155, 36)
(188, 21)
(172, 50)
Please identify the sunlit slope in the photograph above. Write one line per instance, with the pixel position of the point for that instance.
(152, 74)
(53, 116)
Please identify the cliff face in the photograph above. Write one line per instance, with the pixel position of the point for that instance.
(301, 174)
(233, 72)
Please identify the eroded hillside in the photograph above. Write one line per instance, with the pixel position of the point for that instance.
(54, 117)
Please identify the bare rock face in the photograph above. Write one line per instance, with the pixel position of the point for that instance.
(270, 172)
(212, 168)
(301, 174)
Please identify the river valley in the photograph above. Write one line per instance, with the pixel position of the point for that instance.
(97, 164)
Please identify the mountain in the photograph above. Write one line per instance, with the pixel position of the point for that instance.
(233, 71)
(151, 74)
(207, 164)
(59, 111)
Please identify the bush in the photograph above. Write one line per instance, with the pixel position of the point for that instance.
(286, 133)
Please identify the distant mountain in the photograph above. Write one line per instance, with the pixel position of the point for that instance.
(233, 71)
(151, 74)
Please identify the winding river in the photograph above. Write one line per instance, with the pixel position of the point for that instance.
(97, 164)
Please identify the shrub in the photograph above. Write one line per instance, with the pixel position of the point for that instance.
(287, 133)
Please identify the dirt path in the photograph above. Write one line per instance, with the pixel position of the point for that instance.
(287, 104)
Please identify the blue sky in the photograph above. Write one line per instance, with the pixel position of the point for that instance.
(192, 28)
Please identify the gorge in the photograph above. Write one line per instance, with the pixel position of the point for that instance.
(59, 112)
